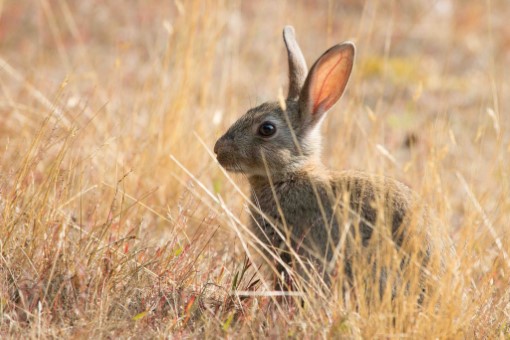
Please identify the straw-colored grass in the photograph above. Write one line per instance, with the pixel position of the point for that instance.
(115, 219)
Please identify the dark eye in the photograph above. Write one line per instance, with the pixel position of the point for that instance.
(267, 129)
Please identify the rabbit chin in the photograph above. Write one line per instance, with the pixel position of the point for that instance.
(245, 170)
(240, 168)
(282, 173)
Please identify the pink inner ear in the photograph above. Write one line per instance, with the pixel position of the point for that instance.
(330, 78)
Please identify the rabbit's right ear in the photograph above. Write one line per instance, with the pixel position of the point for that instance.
(326, 82)
(297, 63)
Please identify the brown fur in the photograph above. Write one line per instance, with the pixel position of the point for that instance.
(302, 208)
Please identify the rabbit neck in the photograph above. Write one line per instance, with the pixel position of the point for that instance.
(315, 172)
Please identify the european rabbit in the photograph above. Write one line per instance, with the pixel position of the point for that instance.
(304, 210)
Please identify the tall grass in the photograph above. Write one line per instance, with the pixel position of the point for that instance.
(117, 221)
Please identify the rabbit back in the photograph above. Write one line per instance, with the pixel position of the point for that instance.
(336, 217)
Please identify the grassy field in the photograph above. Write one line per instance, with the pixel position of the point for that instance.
(116, 220)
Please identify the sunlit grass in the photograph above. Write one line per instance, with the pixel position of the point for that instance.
(117, 221)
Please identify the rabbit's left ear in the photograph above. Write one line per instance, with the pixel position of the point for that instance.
(297, 63)
(326, 82)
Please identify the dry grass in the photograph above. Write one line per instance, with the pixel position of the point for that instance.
(116, 221)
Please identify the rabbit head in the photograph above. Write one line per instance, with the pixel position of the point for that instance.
(283, 137)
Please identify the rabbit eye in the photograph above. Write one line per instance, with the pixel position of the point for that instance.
(267, 129)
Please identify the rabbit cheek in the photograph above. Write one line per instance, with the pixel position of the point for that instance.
(282, 158)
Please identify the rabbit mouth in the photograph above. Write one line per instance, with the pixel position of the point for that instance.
(230, 165)
(233, 168)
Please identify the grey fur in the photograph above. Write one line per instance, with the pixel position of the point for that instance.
(297, 63)
(319, 207)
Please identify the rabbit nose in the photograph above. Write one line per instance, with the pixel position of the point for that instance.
(224, 143)
(217, 146)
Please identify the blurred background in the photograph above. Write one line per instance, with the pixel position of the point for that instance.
(109, 111)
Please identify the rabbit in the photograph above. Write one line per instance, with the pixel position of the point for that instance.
(315, 219)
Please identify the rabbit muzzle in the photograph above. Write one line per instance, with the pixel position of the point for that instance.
(225, 151)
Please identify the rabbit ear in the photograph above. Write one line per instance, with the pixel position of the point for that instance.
(297, 63)
(326, 81)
